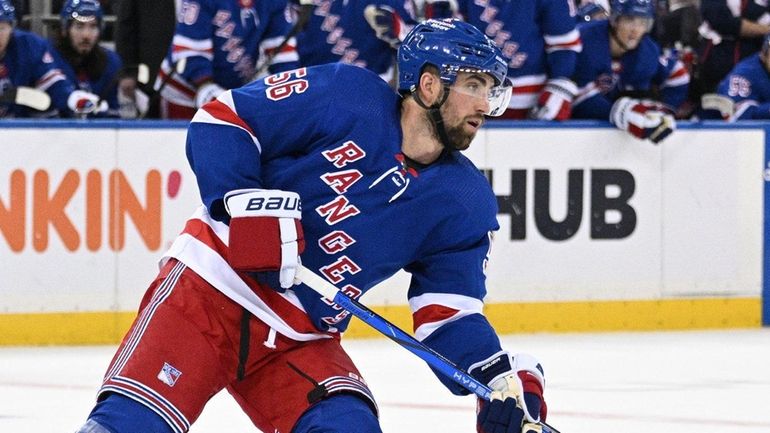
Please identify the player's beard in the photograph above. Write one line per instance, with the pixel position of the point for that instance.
(458, 138)
(84, 47)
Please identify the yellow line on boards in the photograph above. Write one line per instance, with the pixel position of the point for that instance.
(88, 328)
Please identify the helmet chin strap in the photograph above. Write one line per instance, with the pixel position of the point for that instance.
(434, 111)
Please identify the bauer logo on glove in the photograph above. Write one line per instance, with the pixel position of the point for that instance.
(274, 203)
(265, 232)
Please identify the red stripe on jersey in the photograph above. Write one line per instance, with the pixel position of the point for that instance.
(678, 72)
(532, 88)
(177, 48)
(293, 316)
(222, 112)
(432, 313)
(287, 48)
(296, 318)
(566, 45)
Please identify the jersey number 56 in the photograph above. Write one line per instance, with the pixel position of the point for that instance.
(284, 84)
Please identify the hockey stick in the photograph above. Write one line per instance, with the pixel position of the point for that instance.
(430, 356)
(28, 97)
(303, 16)
(154, 97)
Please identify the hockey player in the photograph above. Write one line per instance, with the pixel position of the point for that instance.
(221, 42)
(383, 187)
(88, 65)
(731, 31)
(26, 60)
(748, 86)
(364, 33)
(539, 39)
(620, 68)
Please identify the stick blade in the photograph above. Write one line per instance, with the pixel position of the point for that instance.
(32, 98)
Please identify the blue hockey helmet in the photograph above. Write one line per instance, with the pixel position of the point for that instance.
(637, 12)
(590, 12)
(453, 46)
(81, 10)
(7, 12)
(633, 8)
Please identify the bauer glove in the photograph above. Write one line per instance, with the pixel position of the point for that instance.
(440, 9)
(265, 232)
(516, 403)
(82, 102)
(206, 93)
(555, 103)
(386, 23)
(643, 119)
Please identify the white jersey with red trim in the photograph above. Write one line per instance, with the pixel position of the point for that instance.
(332, 134)
(223, 41)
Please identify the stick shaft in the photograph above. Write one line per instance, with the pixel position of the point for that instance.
(430, 356)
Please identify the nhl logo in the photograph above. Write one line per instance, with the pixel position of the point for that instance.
(168, 374)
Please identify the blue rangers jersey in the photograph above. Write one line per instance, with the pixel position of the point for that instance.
(538, 37)
(223, 41)
(601, 79)
(28, 62)
(105, 85)
(365, 213)
(338, 32)
(748, 84)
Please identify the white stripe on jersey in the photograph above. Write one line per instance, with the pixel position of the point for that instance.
(528, 80)
(193, 44)
(213, 268)
(465, 306)
(567, 41)
(184, 47)
(49, 79)
(268, 43)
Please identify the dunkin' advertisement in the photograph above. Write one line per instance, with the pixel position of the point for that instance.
(585, 214)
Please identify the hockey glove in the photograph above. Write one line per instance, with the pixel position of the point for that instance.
(555, 103)
(643, 119)
(265, 232)
(82, 102)
(386, 23)
(440, 9)
(517, 403)
(207, 93)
